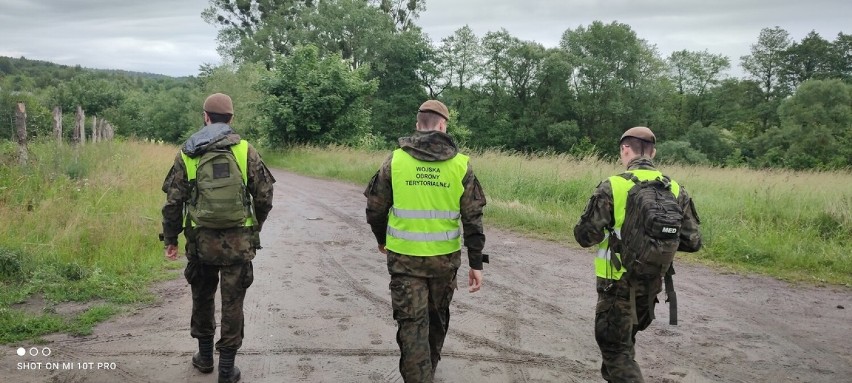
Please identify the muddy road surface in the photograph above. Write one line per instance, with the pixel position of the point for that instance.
(319, 311)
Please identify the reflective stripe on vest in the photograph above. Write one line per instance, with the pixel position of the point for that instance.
(424, 220)
(240, 152)
(620, 187)
(425, 214)
(423, 237)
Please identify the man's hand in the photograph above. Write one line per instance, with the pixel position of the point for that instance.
(171, 252)
(474, 280)
(383, 250)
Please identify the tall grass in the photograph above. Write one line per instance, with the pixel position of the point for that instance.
(81, 225)
(792, 225)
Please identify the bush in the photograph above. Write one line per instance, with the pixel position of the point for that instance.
(10, 265)
(680, 152)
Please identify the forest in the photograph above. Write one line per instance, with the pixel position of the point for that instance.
(352, 73)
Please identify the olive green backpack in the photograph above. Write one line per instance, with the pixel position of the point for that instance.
(218, 197)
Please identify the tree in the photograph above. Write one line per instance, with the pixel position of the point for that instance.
(679, 152)
(694, 72)
(842, 57)
(734, 105)
(816, 121)
(311, 99)
(715, 143)
(39, 118)
(430, 73)
(173, 114)
(563, 136)
(460, 54)
(809, 59)
(613, 73)
(399, 58)
(256, 30)
(402, 12)
(492, 124)
(129, 118)
(766, 62)
(241, 83)
(350, 28)
(260, 30)
(495, 46)
(554, 96)
(95, 94)
(523, 62)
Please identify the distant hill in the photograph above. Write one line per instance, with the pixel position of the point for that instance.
(10, 66)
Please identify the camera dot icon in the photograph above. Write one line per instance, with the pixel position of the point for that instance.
(22, 351)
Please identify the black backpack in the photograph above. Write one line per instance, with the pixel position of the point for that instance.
(651, 229)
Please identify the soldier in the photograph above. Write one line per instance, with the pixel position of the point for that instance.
(414, 202)
(221, 239)
(626, 306)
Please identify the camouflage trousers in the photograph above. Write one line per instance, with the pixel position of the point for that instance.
(421, 291)
(615, 330)
(204, 279)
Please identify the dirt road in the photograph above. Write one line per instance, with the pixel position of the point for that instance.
(319, 311)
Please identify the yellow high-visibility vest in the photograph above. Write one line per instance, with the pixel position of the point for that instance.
(424, 218)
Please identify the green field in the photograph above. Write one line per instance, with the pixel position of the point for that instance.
(81, 226)
(792, 225)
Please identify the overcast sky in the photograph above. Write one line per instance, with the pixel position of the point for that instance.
(169, 37)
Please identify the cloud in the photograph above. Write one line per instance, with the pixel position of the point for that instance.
(157, 36)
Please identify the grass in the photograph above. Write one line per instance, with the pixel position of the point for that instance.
(85, 223)
(791, 225)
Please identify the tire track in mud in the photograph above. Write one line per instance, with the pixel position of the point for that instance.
(506, 353)
(529, 300)
(538, 360)
(356, 224)
(511, 331)
(745, 338)
(511, 323)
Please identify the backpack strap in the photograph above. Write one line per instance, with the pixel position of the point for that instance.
(630, 177)
(671, 296)
(666, 181)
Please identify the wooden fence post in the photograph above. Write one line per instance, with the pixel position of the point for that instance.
(79, 127)
(21, 125)
(102, 130)
(57, 124)
(94, 129)
(109, 131)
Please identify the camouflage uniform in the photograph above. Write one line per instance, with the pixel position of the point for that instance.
(615, 331)
(422, 287)
(212, 252)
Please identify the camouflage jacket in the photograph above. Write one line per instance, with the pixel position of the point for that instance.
(429, 146)
(220, 247)
(598, 214)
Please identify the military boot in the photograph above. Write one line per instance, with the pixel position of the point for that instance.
(203, 359)
(228, 373)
